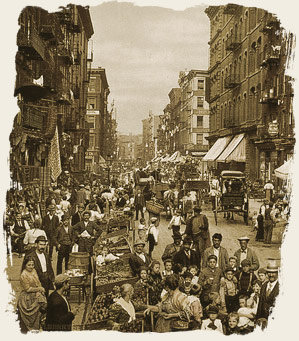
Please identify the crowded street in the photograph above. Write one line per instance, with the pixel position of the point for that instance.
(149, 194)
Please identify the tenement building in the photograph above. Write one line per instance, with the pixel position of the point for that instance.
(251, 115)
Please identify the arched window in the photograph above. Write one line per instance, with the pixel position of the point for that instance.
(245, 65)
(244, 107)
(252, 105)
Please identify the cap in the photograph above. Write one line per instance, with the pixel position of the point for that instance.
(233, 257)
(197, 209)
(51, 206)
(61, 278)
(213, 309)
(81, 205)
(245, 262)
(187, 240)
(229, 268)
(40, 239)
(262, 271)
(212, 257)
(86, 212)
(153, 219)
(139, 242)
(65, 217)
(217, 236)
(81, 185)
(243, 238)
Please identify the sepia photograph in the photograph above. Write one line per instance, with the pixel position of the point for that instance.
(148, 163)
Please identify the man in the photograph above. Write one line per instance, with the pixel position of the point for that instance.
(269, 292)
(246, 253)
(59, 316)
(217, 250)
(77, 217)
(186, 256)
(31, 235)
(81, 195)
(65, 241)
(17, 232)
(139, 204)
(85, 232)
(50, 224)
(173, 248)
(138, 259)
(198, 229)
(42, 264)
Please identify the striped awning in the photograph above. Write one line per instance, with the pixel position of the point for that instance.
(216, 149)
(235, 151)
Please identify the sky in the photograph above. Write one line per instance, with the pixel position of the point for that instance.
(143, 49)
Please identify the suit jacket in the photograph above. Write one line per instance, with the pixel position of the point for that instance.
(203, 229)
(90, 228)
(251, 256)
(169, 252)
(50, 226)
(75, 219)
(266, 303)
(136, 263)
(58, 317)
(61, 234)
(181, 258)
(222, 261)
(39, 270)
(139, 200)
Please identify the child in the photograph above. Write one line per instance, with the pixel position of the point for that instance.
(231, 325)
(254, 298)
(262, 275)
(246, 316)
(215, 300)
(254, 221)
(140, 296)
(229, 291)
(245, 278)
(155, 283)
(232, 261)
(142, 230)
(153, 234)
(193, 269)
(195, 307)
(212, 323)
(187, 282)
(167, 268)
(175, 222)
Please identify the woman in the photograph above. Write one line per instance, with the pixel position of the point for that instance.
(174, 310)
(32, 301)
(122, 315)
(155, 283)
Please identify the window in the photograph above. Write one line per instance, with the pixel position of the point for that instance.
(199, 139)
(200, 84)
(199, 121)
(200, 101)
(91, 141)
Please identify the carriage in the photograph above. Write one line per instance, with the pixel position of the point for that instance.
(233, 195)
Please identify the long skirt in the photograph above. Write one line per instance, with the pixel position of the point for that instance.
(29, 308)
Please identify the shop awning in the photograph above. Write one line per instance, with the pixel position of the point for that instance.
(216, 149)
(283, 172)
(236, 150)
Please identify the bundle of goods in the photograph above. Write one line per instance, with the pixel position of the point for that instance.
(76, 275)
(116, 245)
(154, 207)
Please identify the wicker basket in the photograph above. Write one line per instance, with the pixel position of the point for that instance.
(154, 207)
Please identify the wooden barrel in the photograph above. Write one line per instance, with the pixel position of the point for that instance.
(79, 260)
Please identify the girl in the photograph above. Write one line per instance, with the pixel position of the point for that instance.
(254, 298)
(231, 325)
(212, 323)
(142, 230)
(193, 269)
(167, 268)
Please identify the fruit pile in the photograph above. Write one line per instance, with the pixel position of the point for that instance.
(113, 272)
(100, 308)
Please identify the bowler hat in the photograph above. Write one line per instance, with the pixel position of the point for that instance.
(272, 266)
(40, 239)
(61, 278)
(187, 240)
(51, 206)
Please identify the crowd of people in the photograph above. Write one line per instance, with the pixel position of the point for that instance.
(195, 285)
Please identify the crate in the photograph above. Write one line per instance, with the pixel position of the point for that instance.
(109, 286)
(154, 207)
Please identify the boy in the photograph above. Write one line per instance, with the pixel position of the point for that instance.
(262, 275)
(142, 230)
(153, 234)
(212, 323)
(245, 278)
(232, 262)
(167, 268)
(229, 290)
(193, 269)
(246, 316)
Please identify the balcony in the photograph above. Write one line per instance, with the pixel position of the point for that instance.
(270, 56)
(77, 58)
(232, 42)
(269, 97)
(33, 117)
(229, 123)
(64, 98)
(232, 81)
(28, 88)
(47, 32)
(66, 55)
(269, 23)
(31, 44)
